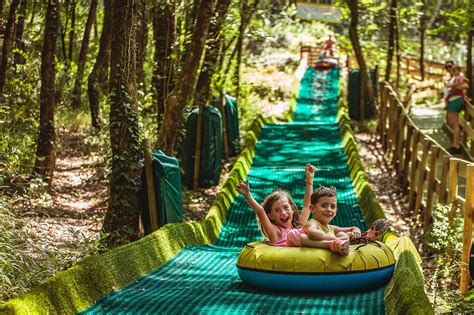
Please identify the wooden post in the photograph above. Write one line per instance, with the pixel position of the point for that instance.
(197, 151)
(150, 187)
(467, 235)
(407, 158)
(453, 187)
(222, 105)
(413, 167)
(431, 185)
(422, 173)
(443, 191)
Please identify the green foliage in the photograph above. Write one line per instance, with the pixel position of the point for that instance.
(444, 237)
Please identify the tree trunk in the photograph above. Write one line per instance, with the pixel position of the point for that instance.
(183, 93)
(64, 29)
(19, 29)
(422, 40)
(7, 44)
(188, 27)
(81, 64)
(366, 90)
(391, 38)
(46, 147)
(208, 69)
(1, 16)
(245, 16)
(163, 37)
(121, 219)
(142, 41)
(470, 91)
(100, 65)
(72, 30)
(397, 52)
(470, 33)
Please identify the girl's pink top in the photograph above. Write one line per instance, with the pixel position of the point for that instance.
(289, 237)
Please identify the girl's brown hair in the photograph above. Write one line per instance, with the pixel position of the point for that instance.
(271, 199)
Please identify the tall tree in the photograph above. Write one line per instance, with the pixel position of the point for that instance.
(19, 29)
(100, 66)
(72, 30)
(142, 40)
(366, 90)
(7, 43)
(422, 39)
(163, 38)
(182, 95)
(470, 34)
(121, 219)
(209, 64)
(1, 14)
(81, 63)
(391, 38)
(46, 145)
(247, 10)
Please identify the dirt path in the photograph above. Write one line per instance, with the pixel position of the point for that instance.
(76, 205)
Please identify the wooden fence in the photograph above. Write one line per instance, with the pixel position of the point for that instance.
(428, 173)
(419, 91)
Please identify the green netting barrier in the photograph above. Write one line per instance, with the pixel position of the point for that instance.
(211, 147)
(169, 199)
(353, 95)
(232, 123)
(204, 280)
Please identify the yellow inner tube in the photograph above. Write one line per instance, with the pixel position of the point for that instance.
(261, 256)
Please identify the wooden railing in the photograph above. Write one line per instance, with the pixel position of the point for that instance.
(432, 69)
(428, 173)
(418, 93)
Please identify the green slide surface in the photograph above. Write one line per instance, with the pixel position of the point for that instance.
(204, 280)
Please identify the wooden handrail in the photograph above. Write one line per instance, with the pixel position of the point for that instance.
(401, 139)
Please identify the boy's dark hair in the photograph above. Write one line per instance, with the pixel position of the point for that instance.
(322, 191)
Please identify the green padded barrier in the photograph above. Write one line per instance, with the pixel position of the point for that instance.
(353, 94)
(232, 120)
(211, 147)
(169, 198)
(204, 279)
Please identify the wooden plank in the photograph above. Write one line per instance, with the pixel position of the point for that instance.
(435, 156)
(407, 158)
(466, 127)
(443, 193)
(452, 187)
(150, 185)
(401, 140)
(412, 177)
(425, 84)
(422, 173)
(467, 235)
(424, 94)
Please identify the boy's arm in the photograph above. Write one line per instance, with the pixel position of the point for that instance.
(353, 230)
(267, 225)
(316, 234)
(304, 215)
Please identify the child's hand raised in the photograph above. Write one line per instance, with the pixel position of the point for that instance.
(310, 170)
(243, 187)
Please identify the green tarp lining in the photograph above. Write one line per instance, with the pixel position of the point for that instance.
(353, 93)
(204, 280)
(232, 123)
(169, 199)
(211, 147)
